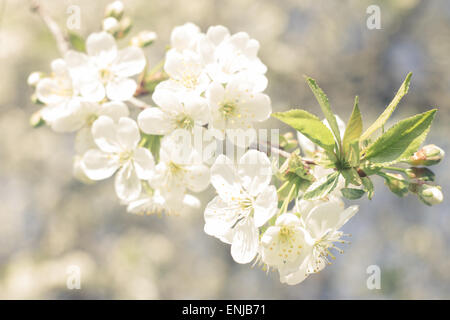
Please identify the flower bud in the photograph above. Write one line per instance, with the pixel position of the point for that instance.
(125, 27)
(295, 169)
(34, 78)
(115, 10)
(427, 156)
(36, 120)
(143, 39)
(111, 25)
(287, 141)
(396, 183)
(423, 174)
(430, 195)
(34, 99)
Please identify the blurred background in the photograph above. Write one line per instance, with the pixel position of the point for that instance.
(50, 221)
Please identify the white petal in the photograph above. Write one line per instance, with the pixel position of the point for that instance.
(197, 177)
(121, 89)
(127, 184)
(155, 121)
(257, 107)
(215, 94)
(167, 100)
(219, 219)
(270, 239)
(76, 60)
(184, 37)
(114, 109)
(245, 241)
(328, 216)
(99, 165)
(191, 201)
(71, 119)
(104, 132)
(265, 205)
(197, 108)
(142, 205)
(92, 89)
(79, 66)
(295, 277)
(287, 219)
(49, 91)
(102, 45)
(129, 61)
(128, 133)
(216, 34)
(143, 163)
(78, 172)
(255, 171)
(224, 179)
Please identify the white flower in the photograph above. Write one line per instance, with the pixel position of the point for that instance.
(185, 37)
(186, 72)
(173, 114)
(179, 168)
(57, 92)
(322, 219)
(286, 245)
(155, 202)
(105, 70)
(239, 103)
(227, 54)
(118, 149)
(244, 203)
(58, 89)
(82, 114)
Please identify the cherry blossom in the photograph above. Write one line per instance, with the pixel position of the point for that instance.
(245, 202)
(118, 150)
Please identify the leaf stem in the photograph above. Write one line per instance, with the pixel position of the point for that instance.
(286, 201)
(395, 169)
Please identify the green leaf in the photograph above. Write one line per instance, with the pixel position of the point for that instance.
(368, 186)
(309, 125)
(76, 41)
(402, 91)
(354, 126)
(152, 143)
(401, 140)
(351, 177)
(352, 194)
(352, 155)
(325, 106)
(322, 187)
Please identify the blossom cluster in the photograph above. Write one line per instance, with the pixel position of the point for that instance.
(283, 215)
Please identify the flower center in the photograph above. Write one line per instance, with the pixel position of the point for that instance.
(125, 156)
(105, 75)
(228, 110)
(91, 118)
(174, 168)
(185, 122)
(288, 243)
(189, 81)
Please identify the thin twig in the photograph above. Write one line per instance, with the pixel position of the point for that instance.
(138, 103)
(61, 41)
(265, 147)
